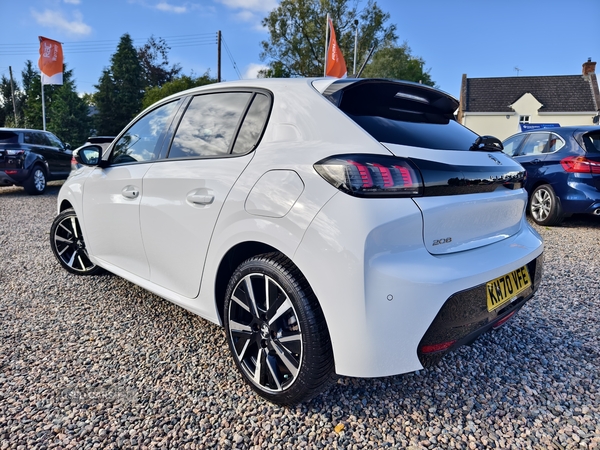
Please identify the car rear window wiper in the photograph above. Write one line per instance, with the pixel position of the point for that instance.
(487, 144)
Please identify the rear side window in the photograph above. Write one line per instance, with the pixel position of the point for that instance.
(208, 125)
(404, 113)
(592, 142)
(8, 137)
(536, 144)
(253, 125)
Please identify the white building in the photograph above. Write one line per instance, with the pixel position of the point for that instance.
(504, 106)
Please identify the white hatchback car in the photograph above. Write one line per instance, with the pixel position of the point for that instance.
(347, 227)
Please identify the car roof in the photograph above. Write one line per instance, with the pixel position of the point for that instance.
(281, 85)
(22, 129)
(563, 131)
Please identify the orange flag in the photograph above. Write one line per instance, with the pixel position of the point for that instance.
(336, 66)
(51, 61)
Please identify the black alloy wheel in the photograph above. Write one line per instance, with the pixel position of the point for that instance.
(544, 206)
(276, 331)
(66, 240)
(36, 183)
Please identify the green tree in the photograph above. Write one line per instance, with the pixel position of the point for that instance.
(120, 89)
(397, 63)
(69, 118)
(182, 83)
(297, 34)
(154, 59)
(67, 115)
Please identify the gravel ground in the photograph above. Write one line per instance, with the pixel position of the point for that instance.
(96, 362)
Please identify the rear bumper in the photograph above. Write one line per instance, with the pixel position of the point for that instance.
(381, 290)
(581, 196)
(11, 178)
(464, 317)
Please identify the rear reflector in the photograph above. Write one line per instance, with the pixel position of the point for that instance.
(10, 172)
(367, 175)
(437, 347)
(503, 320)
(580, 164)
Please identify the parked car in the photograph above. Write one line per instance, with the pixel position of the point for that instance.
(30, 158)
(563, 171)
(102, 141)
(347, 227)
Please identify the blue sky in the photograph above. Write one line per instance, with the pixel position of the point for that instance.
(482, 38)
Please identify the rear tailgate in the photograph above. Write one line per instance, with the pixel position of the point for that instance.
(471, 198)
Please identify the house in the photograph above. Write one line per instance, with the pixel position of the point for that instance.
(504, 106)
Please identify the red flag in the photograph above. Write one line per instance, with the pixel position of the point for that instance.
(51, 61)
(336, 66)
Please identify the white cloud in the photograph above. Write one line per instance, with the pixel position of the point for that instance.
(245, 16)
(252, 5)
(56, 20)
(252, 71)
(164, 6)
(73, 2)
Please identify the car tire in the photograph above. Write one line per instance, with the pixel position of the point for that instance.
(544, 206)
(66, 240)
(276, 331)
(37, 181)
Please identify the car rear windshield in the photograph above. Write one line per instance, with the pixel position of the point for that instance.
(9, 137)
(439, 135)
(404, 113)
(592, 142)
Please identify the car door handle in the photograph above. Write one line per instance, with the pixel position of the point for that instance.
(200, 198)
(130, 192)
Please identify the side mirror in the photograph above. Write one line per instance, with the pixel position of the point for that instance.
(88, 155)
(67, 146)
(487, 143)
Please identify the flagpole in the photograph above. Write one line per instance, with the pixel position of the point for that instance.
(43, 103)
(326, 39)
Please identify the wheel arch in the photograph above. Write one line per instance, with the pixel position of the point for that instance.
(539, 183)
(65, 204)
(230, 262)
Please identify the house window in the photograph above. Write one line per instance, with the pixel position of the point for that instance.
(524, 119)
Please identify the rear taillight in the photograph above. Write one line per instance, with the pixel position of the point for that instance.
(372, 175)
(580, 164)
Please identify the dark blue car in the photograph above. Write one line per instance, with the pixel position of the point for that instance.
(563, 170)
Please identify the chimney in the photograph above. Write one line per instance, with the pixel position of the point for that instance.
(589, 67)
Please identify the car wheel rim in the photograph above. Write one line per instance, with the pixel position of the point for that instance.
(70, 246)
(39, 180)
(265, 333)
(541, 204)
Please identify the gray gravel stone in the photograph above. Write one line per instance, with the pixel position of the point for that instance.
(96, 362)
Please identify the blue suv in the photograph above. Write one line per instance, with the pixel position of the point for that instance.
(563, 170)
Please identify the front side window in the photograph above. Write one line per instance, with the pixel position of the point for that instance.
(208, 125)
(142, 141)
(55, 142)
(511, 145)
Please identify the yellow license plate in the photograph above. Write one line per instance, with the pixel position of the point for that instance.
(506, 288)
